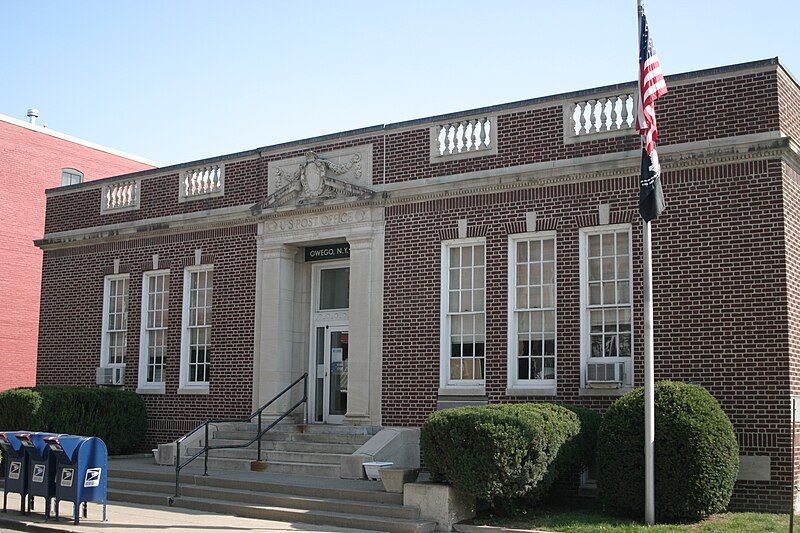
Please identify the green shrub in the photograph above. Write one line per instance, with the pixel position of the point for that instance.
(116, 416)
(696, 454)
(499, 453)
(586, 452)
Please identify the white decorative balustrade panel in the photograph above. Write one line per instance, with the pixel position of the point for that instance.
(202, 182)
(464, 138)
(606, 116)
(120, 196)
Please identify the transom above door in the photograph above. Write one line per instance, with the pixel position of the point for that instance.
(329, 343)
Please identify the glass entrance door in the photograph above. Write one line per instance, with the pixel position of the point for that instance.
(336, 366)
(330, 342)
(330, 383)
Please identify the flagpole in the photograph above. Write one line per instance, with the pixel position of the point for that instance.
(649, 380)
(649, 377)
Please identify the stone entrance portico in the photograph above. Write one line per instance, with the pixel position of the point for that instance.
(305, 212)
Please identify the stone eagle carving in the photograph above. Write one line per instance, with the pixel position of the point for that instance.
(312, 183)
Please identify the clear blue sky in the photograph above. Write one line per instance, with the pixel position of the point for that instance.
(181, 80)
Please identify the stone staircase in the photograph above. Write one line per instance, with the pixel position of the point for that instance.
(323, 502)
(295, 449)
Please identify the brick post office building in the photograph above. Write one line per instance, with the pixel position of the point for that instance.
(35, 158)
(492, 255)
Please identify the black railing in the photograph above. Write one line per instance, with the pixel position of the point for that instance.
(259, 433)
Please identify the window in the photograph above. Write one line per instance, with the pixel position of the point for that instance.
(115, 320)
(70, 176)
(334, 288)
(463, 313)
(606, 297)
(196, 338)
(532, 305)
(153, 343)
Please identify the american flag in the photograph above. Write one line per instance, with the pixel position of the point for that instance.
(651, 87)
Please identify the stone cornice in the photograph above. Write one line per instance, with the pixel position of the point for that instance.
(622, 164)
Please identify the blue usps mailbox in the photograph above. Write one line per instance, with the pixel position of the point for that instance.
(80, 472)
(41, 467)
(15, 463)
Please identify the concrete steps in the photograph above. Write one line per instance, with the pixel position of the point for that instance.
(216, 464)
(265, 498)
(320, 438)
(339, 503)
(273, 456)
(294, 446)
(300, 486)
(289, 448)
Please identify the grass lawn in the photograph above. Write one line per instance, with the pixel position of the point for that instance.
(593, 522)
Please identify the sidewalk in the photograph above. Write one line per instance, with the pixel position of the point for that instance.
(144, 518)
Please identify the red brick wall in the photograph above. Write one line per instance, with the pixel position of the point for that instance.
(31, 163)
(720, 303)
(245, 184)
(791, 195)
(789, 105)
(71, 321)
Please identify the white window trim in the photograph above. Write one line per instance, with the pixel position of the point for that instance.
(143, 386)
(584, 299)
(104, 332)
(185, 386)
(532, 387)
(446, 385)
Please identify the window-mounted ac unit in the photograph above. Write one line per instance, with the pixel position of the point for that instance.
(605, 375)
(111, 375)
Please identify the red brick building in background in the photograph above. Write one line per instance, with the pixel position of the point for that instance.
(35, 158)
(491, 255)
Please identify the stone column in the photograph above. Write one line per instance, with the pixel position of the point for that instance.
(273, 368)
(359, 367)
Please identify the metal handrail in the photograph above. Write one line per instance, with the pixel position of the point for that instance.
(259, 434)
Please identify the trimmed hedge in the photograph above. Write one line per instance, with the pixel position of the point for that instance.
(696, 454)
(116, 416)
(500, 453)
(587, 438)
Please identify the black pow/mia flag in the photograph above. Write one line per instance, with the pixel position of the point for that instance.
(651, 198)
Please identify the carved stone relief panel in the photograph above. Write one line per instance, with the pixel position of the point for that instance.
(350, 165)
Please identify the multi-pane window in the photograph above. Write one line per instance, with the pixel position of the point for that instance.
(198, 298)
(608, 308)
(155, 311)
(70, 176)
(115, 321)
(533, 300)
(464, 316)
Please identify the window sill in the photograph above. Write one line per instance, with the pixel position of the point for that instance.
(197, 390)
(478, 390)
(531, 391)
(583, 391)
(153, 389)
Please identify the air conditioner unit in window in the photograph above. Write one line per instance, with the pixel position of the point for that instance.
(605, 375)
(110, 375)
